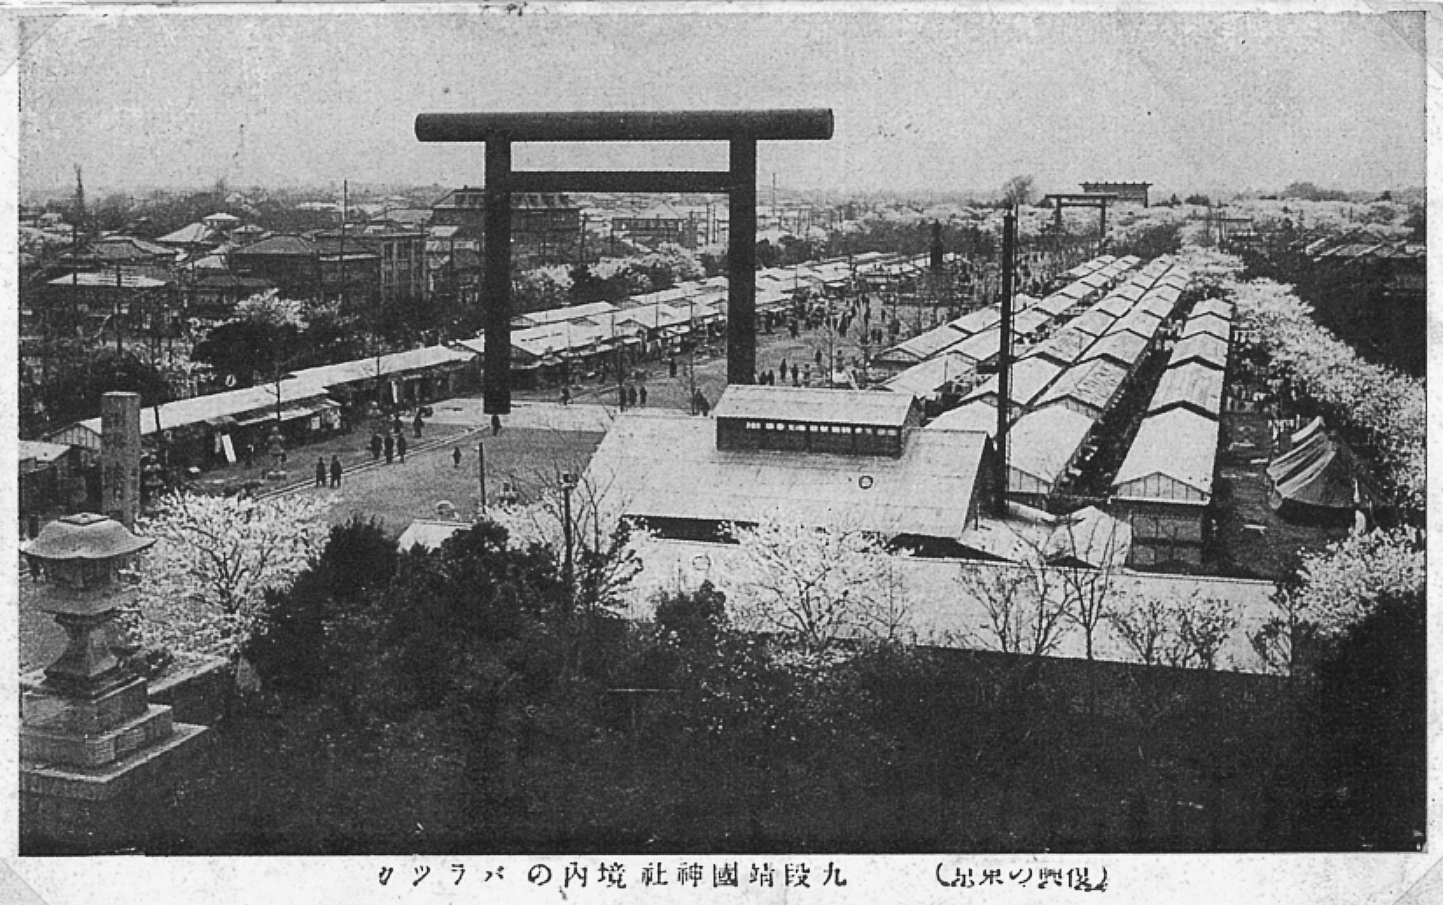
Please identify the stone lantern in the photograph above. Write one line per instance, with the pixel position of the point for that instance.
(94, 751)
(79, 558)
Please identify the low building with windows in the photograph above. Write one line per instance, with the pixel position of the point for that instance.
(828, 458)
(1165, 486)
(812, 420)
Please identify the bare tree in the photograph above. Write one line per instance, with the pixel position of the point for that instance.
(1025, 604)
(1092, 593)
(1203, 627)
(1145, 625)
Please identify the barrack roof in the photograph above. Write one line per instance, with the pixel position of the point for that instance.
(1044, 442)
(1177, 444)
(1094, 383)
(1192, 385)
(666, 465)
(814, 406)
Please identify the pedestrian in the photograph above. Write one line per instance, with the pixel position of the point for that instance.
(495, 425)
(631, 396)
(671, 365)
(566, 395)
(456, 457)
(375, 446)
(390, 445)
(784, 369)
(335, 471)
(417, 424)
(401, 447)
(641, 394)
(705, 406)
(818, 357)
(320, 471)
(621, 397)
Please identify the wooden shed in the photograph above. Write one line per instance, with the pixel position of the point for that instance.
(1165, 486)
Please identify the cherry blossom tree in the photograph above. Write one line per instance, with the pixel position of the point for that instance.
(816, 585)
(1337, 587)
(203, 585)
(1389, 406)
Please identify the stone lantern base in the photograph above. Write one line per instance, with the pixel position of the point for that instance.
(96, 770)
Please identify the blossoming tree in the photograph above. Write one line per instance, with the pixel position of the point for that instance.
(815, 585)
(204, 584)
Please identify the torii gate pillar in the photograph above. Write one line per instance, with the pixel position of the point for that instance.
(741, 128)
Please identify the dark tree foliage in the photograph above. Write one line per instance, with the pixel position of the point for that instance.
(76, 384)
(293, 653)
(253, 351)
(1368, 739)
(1151, 242)
(695, 619)
(1350, 298)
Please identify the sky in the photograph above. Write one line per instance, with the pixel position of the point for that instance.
(942, 100)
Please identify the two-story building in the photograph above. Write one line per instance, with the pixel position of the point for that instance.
(545, 228)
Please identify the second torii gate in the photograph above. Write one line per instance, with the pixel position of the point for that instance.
(1097, 200)
(741, 128)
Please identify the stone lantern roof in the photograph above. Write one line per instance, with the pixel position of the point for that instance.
(85, 536)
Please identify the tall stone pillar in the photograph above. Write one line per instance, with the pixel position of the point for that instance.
(120, 457)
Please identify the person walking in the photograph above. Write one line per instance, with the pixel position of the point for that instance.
(784, 369)
(417, 424)
(375, 447)
(456, 457)
(796, 375)
(566, 395)
(320, 471)
(335, 471)
(390, 446)
(631, 396)
(401, 447)
(641, 394)
(495, 425)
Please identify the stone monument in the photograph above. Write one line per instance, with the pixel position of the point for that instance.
(96, 756)
(120, 456)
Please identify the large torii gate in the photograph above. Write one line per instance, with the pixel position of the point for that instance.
(741, 128)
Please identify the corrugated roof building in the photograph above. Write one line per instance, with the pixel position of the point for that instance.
(1165, 486)
(1193, 386)
(1203, 348)
(665, 469)
(1089, 388)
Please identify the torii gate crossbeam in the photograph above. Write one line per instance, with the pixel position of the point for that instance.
(742, 129)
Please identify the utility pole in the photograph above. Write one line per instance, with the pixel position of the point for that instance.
(691, 357)
(119, 290)
(1004, 358)
(568, 484)
(345, 215)
(481, 472)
